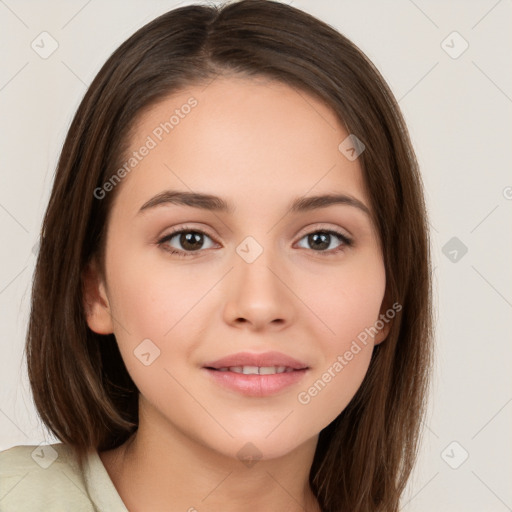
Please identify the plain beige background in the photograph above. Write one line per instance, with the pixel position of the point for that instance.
(448, 63)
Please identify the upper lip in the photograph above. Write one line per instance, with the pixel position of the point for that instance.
(252, 359)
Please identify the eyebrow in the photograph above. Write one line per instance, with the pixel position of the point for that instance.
(218, 204)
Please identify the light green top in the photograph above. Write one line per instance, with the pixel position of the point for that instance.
(37, 478)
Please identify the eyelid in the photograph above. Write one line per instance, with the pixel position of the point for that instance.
(321, 226)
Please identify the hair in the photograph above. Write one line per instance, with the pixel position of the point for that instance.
(81, 388)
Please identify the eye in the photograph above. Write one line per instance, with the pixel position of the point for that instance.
(321, 240)
(190, 240)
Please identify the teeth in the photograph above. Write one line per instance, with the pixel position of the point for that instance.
(250, 370)
(270, 370)
(257, 370)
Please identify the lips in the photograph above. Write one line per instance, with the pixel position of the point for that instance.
(250, 360)
(256, 375)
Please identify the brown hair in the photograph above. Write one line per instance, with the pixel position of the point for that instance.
(80, 384)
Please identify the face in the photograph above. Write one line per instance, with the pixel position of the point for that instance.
(188, 282)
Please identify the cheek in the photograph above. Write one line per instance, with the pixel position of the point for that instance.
(326, 395)
(348, 307)
(346, 302)
(154, 309)
(160, 301)
(151, 295)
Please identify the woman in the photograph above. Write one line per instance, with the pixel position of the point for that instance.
(231, 306)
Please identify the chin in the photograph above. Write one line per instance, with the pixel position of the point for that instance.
(260, 446)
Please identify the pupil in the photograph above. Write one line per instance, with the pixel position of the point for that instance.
(319, 237)
(187, 240)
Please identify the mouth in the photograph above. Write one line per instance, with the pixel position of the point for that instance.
(256, 374)
(256, 370)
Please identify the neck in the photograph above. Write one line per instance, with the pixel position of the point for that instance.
(174, 473)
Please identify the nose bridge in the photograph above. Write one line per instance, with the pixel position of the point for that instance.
(256, 291)
(253, 266)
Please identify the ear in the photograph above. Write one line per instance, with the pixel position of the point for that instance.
(95, 300)
(382, 334)
(383, 319)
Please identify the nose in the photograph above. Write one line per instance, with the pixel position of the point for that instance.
(259, 294)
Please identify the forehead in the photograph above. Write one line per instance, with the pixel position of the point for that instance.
(246, 139)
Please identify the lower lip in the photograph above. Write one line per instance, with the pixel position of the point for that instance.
(256, 385)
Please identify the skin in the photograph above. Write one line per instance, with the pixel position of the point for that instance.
(258, 144)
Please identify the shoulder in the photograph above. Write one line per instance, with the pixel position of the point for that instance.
(41, 477)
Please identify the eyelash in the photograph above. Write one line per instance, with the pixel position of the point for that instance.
(346, 242)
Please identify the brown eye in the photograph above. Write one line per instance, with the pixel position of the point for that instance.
(321, 240)
(190, 240)
(184, 242)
